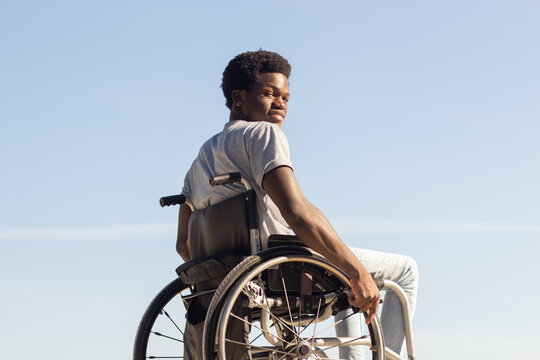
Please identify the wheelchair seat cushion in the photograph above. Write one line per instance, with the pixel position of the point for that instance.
(213, 267)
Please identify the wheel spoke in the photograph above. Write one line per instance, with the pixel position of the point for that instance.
(267, 309)
(336, 323)
(287, 353)
(250, 346)
(302, 297)
(255, 326)
(312, 320)
(167, 314)
(295, 332)
(261, 334)
(346, 317)
(316, 320)
(165, 336)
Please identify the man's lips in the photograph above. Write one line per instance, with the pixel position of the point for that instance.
(276, 114)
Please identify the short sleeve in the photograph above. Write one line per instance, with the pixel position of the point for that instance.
(186, 191)
(268, 149)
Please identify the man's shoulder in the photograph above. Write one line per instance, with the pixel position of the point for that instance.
(251, 125)
(256, 129)
(208, 143)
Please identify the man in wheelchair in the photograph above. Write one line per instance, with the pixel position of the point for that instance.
(256, 89)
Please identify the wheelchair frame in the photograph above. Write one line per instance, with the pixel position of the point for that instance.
(240, 278)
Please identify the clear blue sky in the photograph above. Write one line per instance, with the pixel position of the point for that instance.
(413, 125)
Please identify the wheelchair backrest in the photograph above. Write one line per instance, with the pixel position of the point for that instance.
(220, 228)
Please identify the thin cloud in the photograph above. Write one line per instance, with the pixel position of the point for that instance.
(359, 226)
(344, 226)
(159, 230)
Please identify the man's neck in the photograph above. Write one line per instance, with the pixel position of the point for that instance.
(235, 116)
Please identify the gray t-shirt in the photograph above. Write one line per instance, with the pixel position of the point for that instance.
(251, 148)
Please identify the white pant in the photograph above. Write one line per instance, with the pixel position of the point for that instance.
(399, 269)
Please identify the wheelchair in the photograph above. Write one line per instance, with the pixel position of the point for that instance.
(277, 303)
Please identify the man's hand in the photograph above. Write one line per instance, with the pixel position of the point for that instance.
(365, 295)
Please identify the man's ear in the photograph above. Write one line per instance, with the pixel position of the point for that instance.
(238, 97)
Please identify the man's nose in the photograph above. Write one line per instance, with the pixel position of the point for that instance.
(280, 103)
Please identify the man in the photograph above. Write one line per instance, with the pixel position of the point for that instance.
(256, 88)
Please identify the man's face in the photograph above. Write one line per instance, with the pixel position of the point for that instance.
(267, 100)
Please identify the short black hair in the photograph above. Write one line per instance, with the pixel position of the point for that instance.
(242, 71)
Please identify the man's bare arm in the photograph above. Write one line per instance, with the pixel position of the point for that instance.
(182, 237)
(312, 227)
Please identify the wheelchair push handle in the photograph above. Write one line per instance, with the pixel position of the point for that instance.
(230, 178)
(172, 200)
(225, 178)
(214, 180)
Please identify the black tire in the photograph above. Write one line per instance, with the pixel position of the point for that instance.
(232, 291)
(160, 332)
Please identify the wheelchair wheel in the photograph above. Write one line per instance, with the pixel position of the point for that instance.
(161, 330)
(281, 304)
